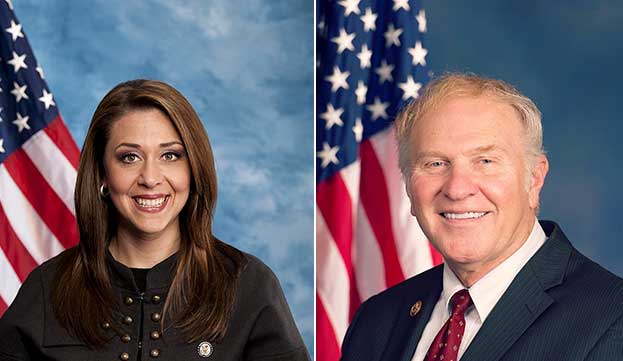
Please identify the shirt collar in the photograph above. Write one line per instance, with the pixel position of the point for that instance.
(159, 276)
(486, 292)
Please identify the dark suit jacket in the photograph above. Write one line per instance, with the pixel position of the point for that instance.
(261, 326)
(560, 307)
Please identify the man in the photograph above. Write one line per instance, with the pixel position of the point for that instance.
(511, 288)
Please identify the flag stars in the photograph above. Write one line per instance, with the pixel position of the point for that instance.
(421, 21)
(365, 55)
(338, 79)
(18, 62)
(15, 30)
(47, 99)
(40, 71)
(344, 41)
(369, 20)
(418, 53)
(392, 36)
(410, 88)
(358, 130)
(19, 92)
(361, 92)
(328, 155)
(10, 4)
(378, 109)
(21, 122)
(401, 4)
(2, 146)
(321, 25)
(385, 72)
(332, 117)
(350, 6)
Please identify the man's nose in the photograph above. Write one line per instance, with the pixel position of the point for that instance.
(461, 183)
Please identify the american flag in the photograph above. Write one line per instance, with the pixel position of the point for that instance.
(38, 162)
(371, 60)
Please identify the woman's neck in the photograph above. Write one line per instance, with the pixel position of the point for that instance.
(143, 251)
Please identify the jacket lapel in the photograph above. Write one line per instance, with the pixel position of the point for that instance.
(524, 300)
(409, 326)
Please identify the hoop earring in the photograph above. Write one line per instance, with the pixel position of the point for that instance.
(104, 191)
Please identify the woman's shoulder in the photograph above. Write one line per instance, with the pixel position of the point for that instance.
(264, 316)
(29, 307)
(256, 270)
(256, 281)
(46, 271)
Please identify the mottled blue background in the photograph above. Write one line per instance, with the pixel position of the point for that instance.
(247, 68)
(568, 57)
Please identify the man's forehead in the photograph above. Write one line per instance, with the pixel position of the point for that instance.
(491, 101)
(465, 110)
(490, 149)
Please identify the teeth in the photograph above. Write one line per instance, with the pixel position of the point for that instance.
(152, 203)
(466, 215)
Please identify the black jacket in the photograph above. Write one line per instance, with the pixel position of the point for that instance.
(261, 326)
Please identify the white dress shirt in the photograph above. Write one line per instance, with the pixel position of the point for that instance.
(485, 294)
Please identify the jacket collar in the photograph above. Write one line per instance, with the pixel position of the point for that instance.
(159, 276)
(419, 302)
(525, 299)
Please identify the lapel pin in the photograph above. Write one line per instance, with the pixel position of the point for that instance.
(205, 349)
(415, 309)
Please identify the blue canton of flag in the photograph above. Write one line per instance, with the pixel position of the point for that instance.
(26, 104)
(371, 60)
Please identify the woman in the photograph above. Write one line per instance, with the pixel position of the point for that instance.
(148, 279)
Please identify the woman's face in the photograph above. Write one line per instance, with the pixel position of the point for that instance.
(147, 173)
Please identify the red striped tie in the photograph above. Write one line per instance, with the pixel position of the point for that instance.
(445, 347)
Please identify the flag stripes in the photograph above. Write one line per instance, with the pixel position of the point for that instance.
(17, 255)
(371, 61)
(30, 228)
(34, 187)
(64, 142)
(375, 200)
(9, 283)
(328, 348)
(45, 150)
(38, 162)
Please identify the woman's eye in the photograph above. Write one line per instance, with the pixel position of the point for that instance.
(129, 158)
(170, 156)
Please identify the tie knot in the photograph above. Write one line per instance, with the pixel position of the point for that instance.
(461, 301)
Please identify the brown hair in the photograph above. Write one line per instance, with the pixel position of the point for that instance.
(453, 85)
(201, 295)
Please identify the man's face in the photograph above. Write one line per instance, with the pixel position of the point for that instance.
(468, 183)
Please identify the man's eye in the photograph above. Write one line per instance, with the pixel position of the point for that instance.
(486, 161)
(436, 164)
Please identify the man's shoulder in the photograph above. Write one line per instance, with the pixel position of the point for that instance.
(583, 277)
(594, 279)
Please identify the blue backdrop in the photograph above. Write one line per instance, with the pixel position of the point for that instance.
(247, 68)
(567, 56)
